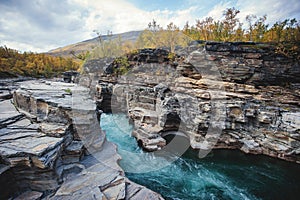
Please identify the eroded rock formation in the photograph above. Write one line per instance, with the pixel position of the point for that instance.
(51, 146)
(220, 95)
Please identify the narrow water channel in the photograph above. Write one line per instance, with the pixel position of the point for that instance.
(223, 174)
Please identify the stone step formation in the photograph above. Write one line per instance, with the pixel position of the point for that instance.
(221, 95)
(51, 146)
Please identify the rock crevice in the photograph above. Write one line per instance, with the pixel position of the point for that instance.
(222, 95)
(51, 146)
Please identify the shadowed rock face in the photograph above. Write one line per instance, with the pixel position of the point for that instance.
(51, 146)
(255, 64)
(222, 95)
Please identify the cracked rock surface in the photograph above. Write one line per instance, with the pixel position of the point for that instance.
(220, 95)
(51, 146)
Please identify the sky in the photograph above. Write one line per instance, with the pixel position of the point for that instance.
(42, 25)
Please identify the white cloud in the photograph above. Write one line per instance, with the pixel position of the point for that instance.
(46, 24)
(38, 26)
(42, 25)
(121, 16)
(274, 9)
(26, 47)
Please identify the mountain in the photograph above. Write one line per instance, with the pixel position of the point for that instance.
(92, 43)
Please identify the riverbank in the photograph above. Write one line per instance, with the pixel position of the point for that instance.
(53, 148)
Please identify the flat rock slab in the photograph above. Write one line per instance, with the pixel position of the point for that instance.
(89, 182)
(29, 145)
(5, 94)
(53, 129)
(137, 192)
(20, 139)
(103, 179)
(8, 113)
(59, 94)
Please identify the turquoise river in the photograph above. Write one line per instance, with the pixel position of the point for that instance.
(223, 174)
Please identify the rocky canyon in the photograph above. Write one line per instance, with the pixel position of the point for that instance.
(242, 96)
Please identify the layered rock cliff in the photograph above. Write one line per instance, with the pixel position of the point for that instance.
(51, 146)
(219, 95)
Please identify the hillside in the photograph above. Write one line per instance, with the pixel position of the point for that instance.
(13, 63)
(92, 43)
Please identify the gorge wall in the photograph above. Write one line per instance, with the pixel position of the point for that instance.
(52, 147)
(219, 95)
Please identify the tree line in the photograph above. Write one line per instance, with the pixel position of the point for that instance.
(232, 29)
(228, 29)
(14, 63)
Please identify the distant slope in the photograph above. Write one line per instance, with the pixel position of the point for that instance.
(14, 64)
(91, 43)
